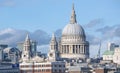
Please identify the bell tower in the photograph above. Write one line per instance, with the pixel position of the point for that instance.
(53, 54)
(26, 53)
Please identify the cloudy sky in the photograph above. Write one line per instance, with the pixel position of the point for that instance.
(40, 18)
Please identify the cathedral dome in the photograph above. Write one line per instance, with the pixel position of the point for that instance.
(73, 44)
(73, 29)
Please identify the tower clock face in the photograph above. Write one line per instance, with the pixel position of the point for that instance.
(51, 54)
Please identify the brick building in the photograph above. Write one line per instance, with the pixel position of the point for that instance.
(45, 67)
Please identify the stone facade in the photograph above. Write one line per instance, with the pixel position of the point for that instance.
(116, 56)
(112, 55)
(108, 55)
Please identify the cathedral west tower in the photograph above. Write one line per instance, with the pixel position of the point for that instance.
(26, 54)
(53, 51)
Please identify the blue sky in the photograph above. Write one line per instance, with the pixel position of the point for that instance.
(50, 15)
(99, 18)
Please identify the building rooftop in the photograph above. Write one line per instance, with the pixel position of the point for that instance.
(108, 52)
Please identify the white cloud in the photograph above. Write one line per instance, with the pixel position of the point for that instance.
(108, 33)
(8, 3)
(8, 30)
(13, 36)
(94, 23)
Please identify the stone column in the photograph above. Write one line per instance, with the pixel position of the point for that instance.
(71, 48)
(83, 49)
(66, 48)
(78, 49)
(87, 49)
(63, 49)
(75, 48)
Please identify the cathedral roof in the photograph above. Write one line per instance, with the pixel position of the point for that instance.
(73, 29)
(37, 59)
(108, 52)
